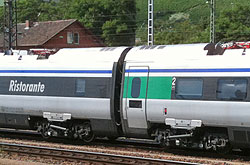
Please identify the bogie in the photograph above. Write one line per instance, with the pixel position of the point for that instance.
(75, 130)
(195, 138)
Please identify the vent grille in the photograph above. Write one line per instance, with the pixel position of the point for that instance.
(108, 49)
(144, 47)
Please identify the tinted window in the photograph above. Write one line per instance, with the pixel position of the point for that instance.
(80, 87)
(232, 89)
(189, 88)
(136, 87)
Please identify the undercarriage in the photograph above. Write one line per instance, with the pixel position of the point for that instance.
(198, 138)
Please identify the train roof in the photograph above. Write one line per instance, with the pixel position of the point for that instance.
(84, 55)
(183, 51)
(187, 56)
(152, 53)
(82, 58)
(88, 57)
(157, 56)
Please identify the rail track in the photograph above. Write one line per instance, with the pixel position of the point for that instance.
(137, 147)
(82, 156)
(120, 142)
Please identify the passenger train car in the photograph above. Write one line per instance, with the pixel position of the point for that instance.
(193, 95)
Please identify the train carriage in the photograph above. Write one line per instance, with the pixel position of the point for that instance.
(202, 99)
(74, 85)
(191, 95)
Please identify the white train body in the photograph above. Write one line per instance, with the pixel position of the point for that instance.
(176, 94)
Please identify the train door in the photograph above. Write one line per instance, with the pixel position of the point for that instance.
(136, 97)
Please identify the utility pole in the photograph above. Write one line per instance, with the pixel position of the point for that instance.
(212, 21)
(150, 22)
(10, 25)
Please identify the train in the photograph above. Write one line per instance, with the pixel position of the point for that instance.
(187, 95)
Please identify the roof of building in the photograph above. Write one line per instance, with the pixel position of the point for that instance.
(40, 32)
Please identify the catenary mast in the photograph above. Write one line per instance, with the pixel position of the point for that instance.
(10, 26)
(150, 22)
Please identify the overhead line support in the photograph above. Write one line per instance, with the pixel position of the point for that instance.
(10, 25)
(150, 22)
(212, 21)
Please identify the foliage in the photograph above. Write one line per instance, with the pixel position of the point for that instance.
(113, 20)
(177, 22)
(1, 18)
(118, 21)
(234, 24)
(194, 28)
(37, 10)
(182, 32)
(178, 17)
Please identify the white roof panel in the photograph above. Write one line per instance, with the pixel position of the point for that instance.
(186, 56)
(68, 58)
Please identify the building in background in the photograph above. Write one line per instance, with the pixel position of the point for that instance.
(54, 35)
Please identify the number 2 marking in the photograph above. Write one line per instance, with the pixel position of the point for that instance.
(173, 81)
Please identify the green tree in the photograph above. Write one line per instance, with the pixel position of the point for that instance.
(113, 20)
(179, 30)
(1, 19)
(234, 24)
(37, 10)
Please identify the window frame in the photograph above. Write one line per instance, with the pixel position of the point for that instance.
(82, 92)
(133, 87)
(72, 39)
(76, 41)
(244, 98)
(188, 97)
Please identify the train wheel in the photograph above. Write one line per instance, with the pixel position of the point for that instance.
(84, 132)
(218, 143)
(89, 135)
(44, 130)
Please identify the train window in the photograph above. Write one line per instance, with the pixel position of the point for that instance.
(232, 89)
(136, 87)
(80, 87)
(189, 88)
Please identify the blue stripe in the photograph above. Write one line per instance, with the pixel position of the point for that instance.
(130, 71)
(56, 71)
(189, 70)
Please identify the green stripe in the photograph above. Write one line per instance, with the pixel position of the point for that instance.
(158, 87)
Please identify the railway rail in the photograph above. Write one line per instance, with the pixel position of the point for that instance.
(82, 156)
(138, 148)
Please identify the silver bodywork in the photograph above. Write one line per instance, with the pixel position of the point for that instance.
(211, 113)
(79, 108)
(67, 60)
